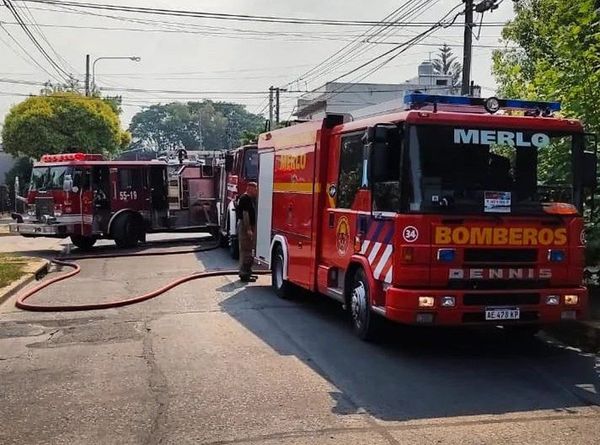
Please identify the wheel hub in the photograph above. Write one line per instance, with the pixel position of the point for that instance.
(358, 304)
(279, 274)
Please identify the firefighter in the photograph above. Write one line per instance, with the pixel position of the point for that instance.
(246, 230)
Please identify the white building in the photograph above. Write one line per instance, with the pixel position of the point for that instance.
(348, 98)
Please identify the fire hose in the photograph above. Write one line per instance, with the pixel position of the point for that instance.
(21, 304)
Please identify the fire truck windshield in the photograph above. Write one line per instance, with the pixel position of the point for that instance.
(474, 170)
(250, 172)
(48, 178)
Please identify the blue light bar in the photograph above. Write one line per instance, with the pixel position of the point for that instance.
(416, 99)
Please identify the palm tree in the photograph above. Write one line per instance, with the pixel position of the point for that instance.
(445, 63)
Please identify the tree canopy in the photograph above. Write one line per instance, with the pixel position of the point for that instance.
(203, 125)
(445, 63)
(63, 121)
(554, 55)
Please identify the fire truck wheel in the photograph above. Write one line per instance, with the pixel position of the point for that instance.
(126, 232)
(364, 322)
(282, 287)
(83, 242)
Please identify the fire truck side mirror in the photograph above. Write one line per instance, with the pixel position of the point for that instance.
(590, 170)
(377, 151)
(228, 162)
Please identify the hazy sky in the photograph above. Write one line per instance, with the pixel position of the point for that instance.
(229, 57)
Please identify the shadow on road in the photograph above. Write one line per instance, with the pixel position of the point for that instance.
(417, 373)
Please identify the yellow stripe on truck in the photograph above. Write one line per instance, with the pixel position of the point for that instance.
(297, 187)
(500, 236)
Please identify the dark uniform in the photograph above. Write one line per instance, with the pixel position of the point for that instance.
(246, 204)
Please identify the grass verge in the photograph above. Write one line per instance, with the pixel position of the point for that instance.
(11, 269)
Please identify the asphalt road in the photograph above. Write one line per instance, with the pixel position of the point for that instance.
(217, 362)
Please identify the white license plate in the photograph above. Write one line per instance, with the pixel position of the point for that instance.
(502, 313)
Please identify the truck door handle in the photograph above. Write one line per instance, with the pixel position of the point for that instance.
(331, 220)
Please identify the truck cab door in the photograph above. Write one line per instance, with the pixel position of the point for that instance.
(159, 202)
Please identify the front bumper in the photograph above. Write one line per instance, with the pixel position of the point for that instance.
(402, 305)
(38, 229)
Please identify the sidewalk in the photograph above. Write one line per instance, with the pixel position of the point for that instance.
(584, 334)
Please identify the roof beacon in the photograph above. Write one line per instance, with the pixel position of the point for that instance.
(492, 105)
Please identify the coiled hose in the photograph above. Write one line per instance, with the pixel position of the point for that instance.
(21, 304)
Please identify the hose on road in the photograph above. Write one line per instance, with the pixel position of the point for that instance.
(21, 304)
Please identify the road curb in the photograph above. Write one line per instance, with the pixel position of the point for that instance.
(581, 334)
(8, 291)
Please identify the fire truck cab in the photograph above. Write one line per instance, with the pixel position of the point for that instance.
(86, 198)
(241, 167)
(444, 214)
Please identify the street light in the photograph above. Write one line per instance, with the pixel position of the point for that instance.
(132, 58)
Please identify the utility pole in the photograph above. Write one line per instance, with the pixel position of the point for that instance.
(271, 90)
(87, 74)
(276, 106)
(481, 7)
(468, 48)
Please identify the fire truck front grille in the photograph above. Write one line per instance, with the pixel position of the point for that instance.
(501, 299)
(44, 205)
(479, 317)
(497, 284)
(500, 256)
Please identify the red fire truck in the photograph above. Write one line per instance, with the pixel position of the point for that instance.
(241, 167)
(86, 197)
(445, 214)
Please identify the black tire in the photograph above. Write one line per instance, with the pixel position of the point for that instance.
(282, 287)
(234, 247)
(364, 321)
(83, 242)
(126, 232)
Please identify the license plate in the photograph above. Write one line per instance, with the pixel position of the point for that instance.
(502, 313)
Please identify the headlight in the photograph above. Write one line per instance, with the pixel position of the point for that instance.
(426, 301)
(571, 300)
(448, 301)
(553, 300)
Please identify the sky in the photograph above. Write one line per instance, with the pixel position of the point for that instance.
(185, 58)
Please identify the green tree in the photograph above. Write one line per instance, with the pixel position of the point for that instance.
(554, 54)
(204, 125)
(63, 121)
(445, 63)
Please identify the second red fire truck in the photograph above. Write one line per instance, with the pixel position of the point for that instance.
(445, 214)
(85, 197)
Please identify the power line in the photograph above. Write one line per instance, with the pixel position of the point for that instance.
(223, 16)
(43, 36)
(362, 44)
(29, 34)
(32, 60)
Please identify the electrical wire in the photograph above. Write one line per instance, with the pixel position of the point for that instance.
(221, 16)
(61, 71)
(38, 29)
(31, 58)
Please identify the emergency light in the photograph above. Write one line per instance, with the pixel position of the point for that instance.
(493, 104)
(72, 157)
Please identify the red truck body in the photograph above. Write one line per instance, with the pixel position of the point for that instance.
(418, 249)
(87, 198)
(241, 167)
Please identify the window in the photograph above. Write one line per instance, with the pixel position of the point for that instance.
(130, 178)
(441, 82)
(351, 169)
(250, 172)
(49, 178)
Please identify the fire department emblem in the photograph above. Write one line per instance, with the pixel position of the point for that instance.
(342, 237)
